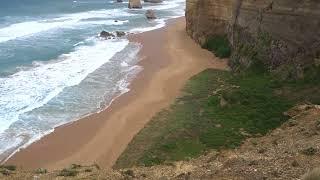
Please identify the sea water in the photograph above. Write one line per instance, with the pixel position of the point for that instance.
(54, 69)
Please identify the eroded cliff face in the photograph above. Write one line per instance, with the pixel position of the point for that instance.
(281, 35)
(207, 17)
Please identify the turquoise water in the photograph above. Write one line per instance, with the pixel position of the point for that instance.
(53, 67)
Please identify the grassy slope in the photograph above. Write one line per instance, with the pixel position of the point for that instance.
(253, 104)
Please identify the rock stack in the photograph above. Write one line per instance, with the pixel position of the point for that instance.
(135, 4)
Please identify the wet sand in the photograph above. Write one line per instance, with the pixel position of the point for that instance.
(169, 58)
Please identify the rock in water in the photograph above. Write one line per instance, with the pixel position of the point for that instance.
(150, 14)
(120, 33)
(154, 1)
(106, 34)
(119, 1)
(135, 4)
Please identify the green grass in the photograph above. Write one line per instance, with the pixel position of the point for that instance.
(196, 122)
(219, 45)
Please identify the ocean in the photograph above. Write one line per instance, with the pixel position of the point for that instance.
(54, 69)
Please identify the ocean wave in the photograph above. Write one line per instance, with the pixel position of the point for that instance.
(156, 24)
(29, 28)
(167, 5)
(105, 22)
(40, 121)
(27, 90)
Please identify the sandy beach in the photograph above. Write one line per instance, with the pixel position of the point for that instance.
(169, 58)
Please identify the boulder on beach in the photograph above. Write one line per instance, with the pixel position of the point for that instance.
(154, 1)
(150, 14)
(105, 34)
(135, 4)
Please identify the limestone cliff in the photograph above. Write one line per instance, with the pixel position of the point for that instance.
(283, 35)
(206, 18)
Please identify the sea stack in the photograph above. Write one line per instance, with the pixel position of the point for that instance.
(135, 4)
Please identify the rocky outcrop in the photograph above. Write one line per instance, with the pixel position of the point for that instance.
(282, 36)
(120, 33)
(110, 35)
(135, 4)
(150, 14)
(106, 35)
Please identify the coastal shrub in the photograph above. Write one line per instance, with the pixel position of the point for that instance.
(41, 171)
(68, 172)
(75, 166)
(129, 172)
(309, 151)
(96, 166)
(8, 167)
(219, 45)
(5, 172)
(88, 170)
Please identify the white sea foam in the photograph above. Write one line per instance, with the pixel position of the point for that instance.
(28, 90)
(158, 23)
(17, 136)
(105, 22)
(175, 6)
(167, 5)
(29, 28)
(124, 64)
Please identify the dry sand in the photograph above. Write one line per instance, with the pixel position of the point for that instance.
(169, 58)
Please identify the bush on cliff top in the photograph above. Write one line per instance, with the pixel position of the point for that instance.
(219, 45)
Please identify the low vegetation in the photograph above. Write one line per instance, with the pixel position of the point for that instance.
(7, 170)
(8, 167)
(40, 171)
(219, 45)
(217, 110)
(68, 172)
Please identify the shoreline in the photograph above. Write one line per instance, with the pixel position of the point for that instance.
(101, 138)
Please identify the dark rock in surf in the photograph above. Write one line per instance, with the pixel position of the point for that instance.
(120, 33)
(106, 35)
(150, 14)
